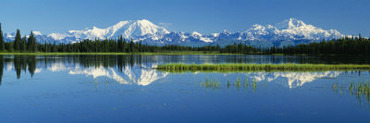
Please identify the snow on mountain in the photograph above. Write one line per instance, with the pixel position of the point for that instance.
(288, 32)
(138, 30)
(37, 33)
(58, 36)
(297, 29)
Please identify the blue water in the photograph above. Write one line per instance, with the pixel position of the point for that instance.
(127, 89)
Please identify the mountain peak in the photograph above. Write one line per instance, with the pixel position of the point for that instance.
(196, 34)
(289, 31)
(144, 21)
(120, 24)
(36, 32)
(290, 23)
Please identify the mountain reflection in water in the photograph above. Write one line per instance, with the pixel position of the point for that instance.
(119, 87)
(129, 69)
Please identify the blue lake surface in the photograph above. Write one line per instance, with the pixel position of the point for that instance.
(125, 88)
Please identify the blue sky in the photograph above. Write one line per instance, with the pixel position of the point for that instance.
(204, 16)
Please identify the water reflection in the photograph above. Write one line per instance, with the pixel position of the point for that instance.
(292, 79)
(67, 88)
(137, 69)
(1, 68)
(123, 69)
(143, 75)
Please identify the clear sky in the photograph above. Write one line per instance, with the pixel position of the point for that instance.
(204, 16)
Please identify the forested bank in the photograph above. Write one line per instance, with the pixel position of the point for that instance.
(350, 46)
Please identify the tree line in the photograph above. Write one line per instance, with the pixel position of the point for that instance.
(354, 45)
(20, 44)
(350, 46)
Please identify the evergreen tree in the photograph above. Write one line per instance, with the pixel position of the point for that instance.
(132, 45)
(140, 46)
(120, 44)
(17, 41)
(124, 47)
(46, 47)
(23, 44)
(31, 44)
(54, 48)
(2, 42)
(9, 46)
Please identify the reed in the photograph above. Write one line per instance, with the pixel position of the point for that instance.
(359, 89)
(238, 83)
(246, 84)
(210, 84)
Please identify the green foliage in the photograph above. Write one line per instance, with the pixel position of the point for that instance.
(350, 46)
(17, 41)
(31, 44)
(23, 46)
(2, 42)
(210, 83)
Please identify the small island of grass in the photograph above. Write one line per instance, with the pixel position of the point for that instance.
(259, 67)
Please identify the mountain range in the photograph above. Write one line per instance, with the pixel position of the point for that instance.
(288, 32)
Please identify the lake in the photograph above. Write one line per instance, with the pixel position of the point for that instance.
(125, 88)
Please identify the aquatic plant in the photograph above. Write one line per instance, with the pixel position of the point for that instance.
(238, 83)
(228, 84)
(246, 84)
(359, 89)
(210, 84)
(254, 85)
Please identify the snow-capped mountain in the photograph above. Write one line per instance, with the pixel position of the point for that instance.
(138, 30)
(288, 32)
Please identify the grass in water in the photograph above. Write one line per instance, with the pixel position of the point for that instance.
(258, 67)
(246, 84)
(254, 85)
(238, 83)
(359, 89)
(210, 84)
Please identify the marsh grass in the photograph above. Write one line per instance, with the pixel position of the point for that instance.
(359, 89)
(246, 84)
(238, 83)
(214, 84)
(258, 67)
(210, 83)
(254, 85)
